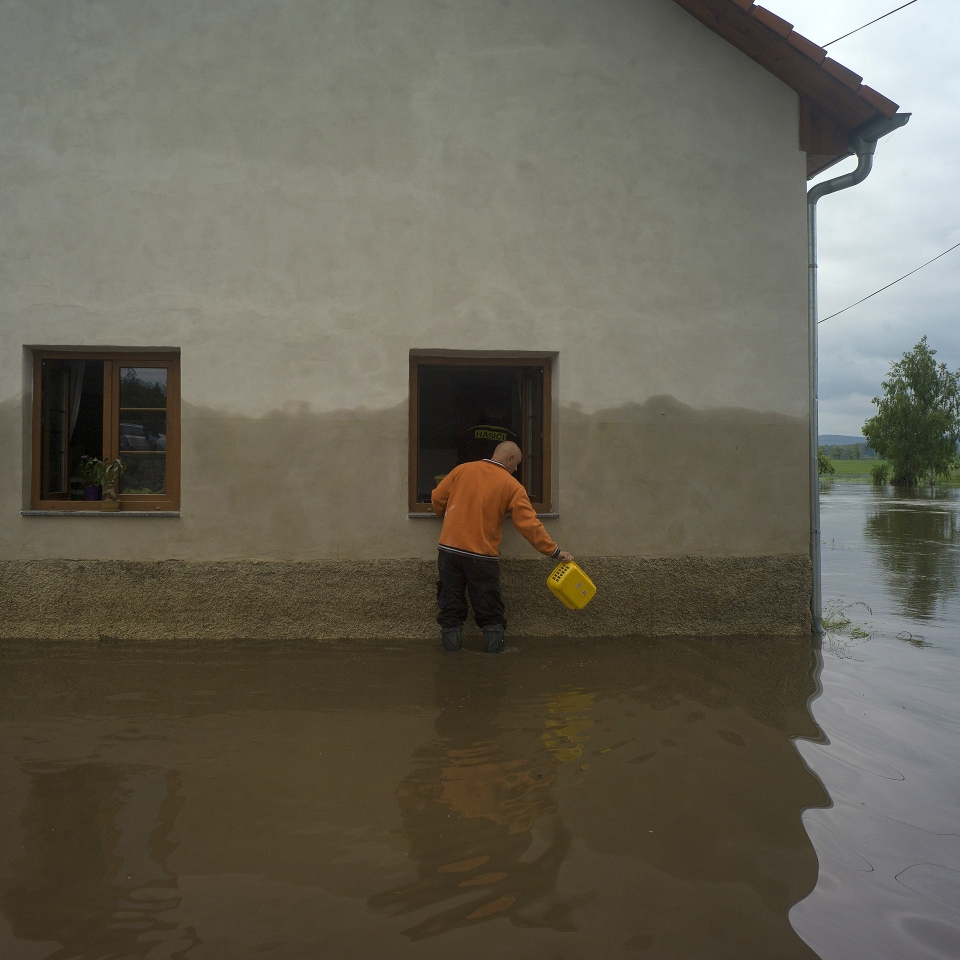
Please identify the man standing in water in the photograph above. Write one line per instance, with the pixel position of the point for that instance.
(473, 500)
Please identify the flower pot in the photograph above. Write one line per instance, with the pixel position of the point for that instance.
(110, 505)
(91, 493)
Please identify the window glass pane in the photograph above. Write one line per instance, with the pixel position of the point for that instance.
(465, 411)
(86, 418)
(55, 402)
(142, 430)
(145, 473)
(532, 444)
(143, 387)
(72, 423)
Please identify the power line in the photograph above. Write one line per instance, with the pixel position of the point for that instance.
(852, 32)
(887, 287)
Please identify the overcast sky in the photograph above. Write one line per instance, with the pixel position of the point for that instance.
(904, 213)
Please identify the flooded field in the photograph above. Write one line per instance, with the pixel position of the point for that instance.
(567, 799)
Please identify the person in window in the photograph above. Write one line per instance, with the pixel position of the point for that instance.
(473, 500)
(479, 441)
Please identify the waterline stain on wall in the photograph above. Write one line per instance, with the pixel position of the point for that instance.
(658, 479)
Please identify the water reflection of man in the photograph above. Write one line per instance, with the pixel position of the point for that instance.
(468, 812)
(473, 500)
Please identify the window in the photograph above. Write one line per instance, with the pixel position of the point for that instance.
(462, 407)
(104, 406)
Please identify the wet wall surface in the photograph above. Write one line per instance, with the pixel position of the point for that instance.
(569, 798)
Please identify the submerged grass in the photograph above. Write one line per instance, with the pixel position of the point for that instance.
(914, 639)
(840, 632)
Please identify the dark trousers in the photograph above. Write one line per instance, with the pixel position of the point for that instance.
(476, 576)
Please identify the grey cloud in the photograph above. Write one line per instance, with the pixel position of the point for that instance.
(906, 212)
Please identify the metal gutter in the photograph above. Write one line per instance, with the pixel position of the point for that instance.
(863, 144)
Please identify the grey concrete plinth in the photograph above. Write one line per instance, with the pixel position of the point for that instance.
(140, 601)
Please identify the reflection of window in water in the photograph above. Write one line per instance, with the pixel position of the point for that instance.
(480, 821)
(93, 873)
(918, 545)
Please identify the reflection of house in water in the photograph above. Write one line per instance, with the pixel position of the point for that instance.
(918, 546)
(93, 875)
(479, 817)
(681, 785)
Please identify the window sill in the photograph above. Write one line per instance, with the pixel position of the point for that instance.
(433, 516)
(99, 513)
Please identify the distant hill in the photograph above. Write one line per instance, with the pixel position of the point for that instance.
(833, 438)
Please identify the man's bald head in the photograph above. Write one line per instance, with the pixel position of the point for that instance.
(508, 454)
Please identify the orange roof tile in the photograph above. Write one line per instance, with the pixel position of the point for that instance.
(833, 99)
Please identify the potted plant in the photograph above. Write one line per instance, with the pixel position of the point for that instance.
(89, 473)
(103, 477)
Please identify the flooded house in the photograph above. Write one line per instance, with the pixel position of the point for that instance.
(293, 261)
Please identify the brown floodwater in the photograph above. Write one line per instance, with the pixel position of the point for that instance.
(664, 798)
(360, 799)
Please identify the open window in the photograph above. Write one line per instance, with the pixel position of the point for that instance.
(105, 406)
(462, 407)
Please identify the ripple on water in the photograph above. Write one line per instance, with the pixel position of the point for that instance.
(934, 882)
(834, 847)
(931, 937)
(854, 756)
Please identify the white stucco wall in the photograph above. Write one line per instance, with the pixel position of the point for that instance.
(296, 194)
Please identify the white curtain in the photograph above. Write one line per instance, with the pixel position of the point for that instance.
(76, 388)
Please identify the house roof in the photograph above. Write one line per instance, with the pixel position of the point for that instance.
(833, 99)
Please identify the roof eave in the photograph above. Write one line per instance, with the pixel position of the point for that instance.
(834, 101)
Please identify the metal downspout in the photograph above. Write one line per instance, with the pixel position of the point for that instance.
(863, 143)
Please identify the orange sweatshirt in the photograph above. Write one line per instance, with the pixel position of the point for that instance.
(473, 500)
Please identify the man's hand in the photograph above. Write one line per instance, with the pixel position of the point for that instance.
(565, 557)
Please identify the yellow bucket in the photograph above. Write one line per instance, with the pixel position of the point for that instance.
(571, 585)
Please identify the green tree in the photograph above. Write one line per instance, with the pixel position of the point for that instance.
(917, 424)
(824, 466)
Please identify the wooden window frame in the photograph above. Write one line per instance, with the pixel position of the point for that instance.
(544, 361)
(113, 360)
